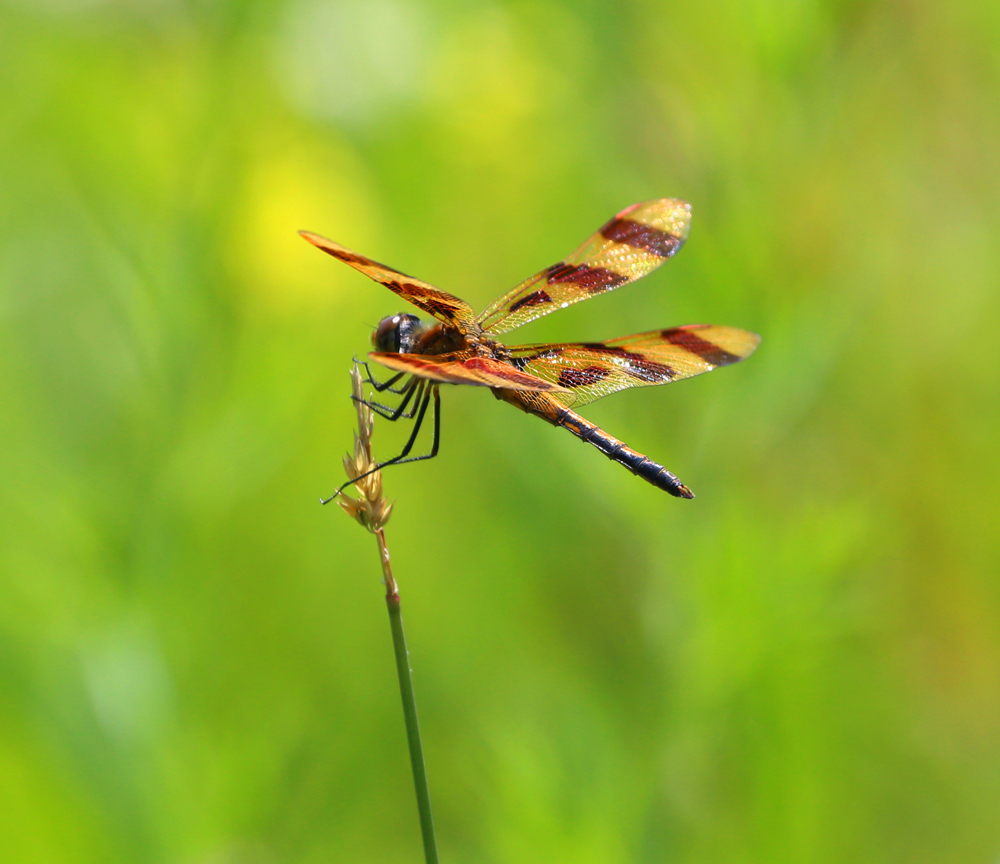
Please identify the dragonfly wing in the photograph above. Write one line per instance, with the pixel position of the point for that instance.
(443, 306)
(591, 370)
(632, 244)
(477, 371)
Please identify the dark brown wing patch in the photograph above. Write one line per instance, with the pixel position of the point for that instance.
(633, 363)
(708, 351)
(640, 236)
(594, 280)
(588, 375)
(535, 298)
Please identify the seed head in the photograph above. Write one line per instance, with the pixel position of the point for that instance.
(370, 508)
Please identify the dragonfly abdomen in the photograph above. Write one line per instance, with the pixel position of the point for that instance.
(618, 451)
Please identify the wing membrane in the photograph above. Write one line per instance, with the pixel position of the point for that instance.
(591, 370)
(632, 244)
(443, 306)
(477, 371)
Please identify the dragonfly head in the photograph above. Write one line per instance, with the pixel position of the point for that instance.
(397, 334)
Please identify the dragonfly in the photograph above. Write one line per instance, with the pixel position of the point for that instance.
(547, 380)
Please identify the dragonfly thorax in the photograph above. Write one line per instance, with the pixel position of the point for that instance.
(397, 334)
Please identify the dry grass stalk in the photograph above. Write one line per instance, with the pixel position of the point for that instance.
(370, 508)
(372, 511)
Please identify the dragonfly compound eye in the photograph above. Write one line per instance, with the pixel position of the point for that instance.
(396, 334)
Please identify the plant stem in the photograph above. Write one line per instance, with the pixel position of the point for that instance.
(409, 703)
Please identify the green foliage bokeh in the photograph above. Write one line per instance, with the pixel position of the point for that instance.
(801, 665)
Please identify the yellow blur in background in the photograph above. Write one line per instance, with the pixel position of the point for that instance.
(801, 665)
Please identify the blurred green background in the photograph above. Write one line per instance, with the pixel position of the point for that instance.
(801, 665)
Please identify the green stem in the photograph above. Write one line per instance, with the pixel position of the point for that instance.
(409, 705)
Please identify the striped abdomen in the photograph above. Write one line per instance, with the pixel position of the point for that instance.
(617, 451)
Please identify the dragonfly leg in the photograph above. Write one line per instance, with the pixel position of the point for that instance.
(380, 385)
(399, 460)
(415, 385)
(402, 459)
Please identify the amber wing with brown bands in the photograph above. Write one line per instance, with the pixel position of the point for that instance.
(475, 371)
(592, 370)
(632, 244)
(443, 306)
